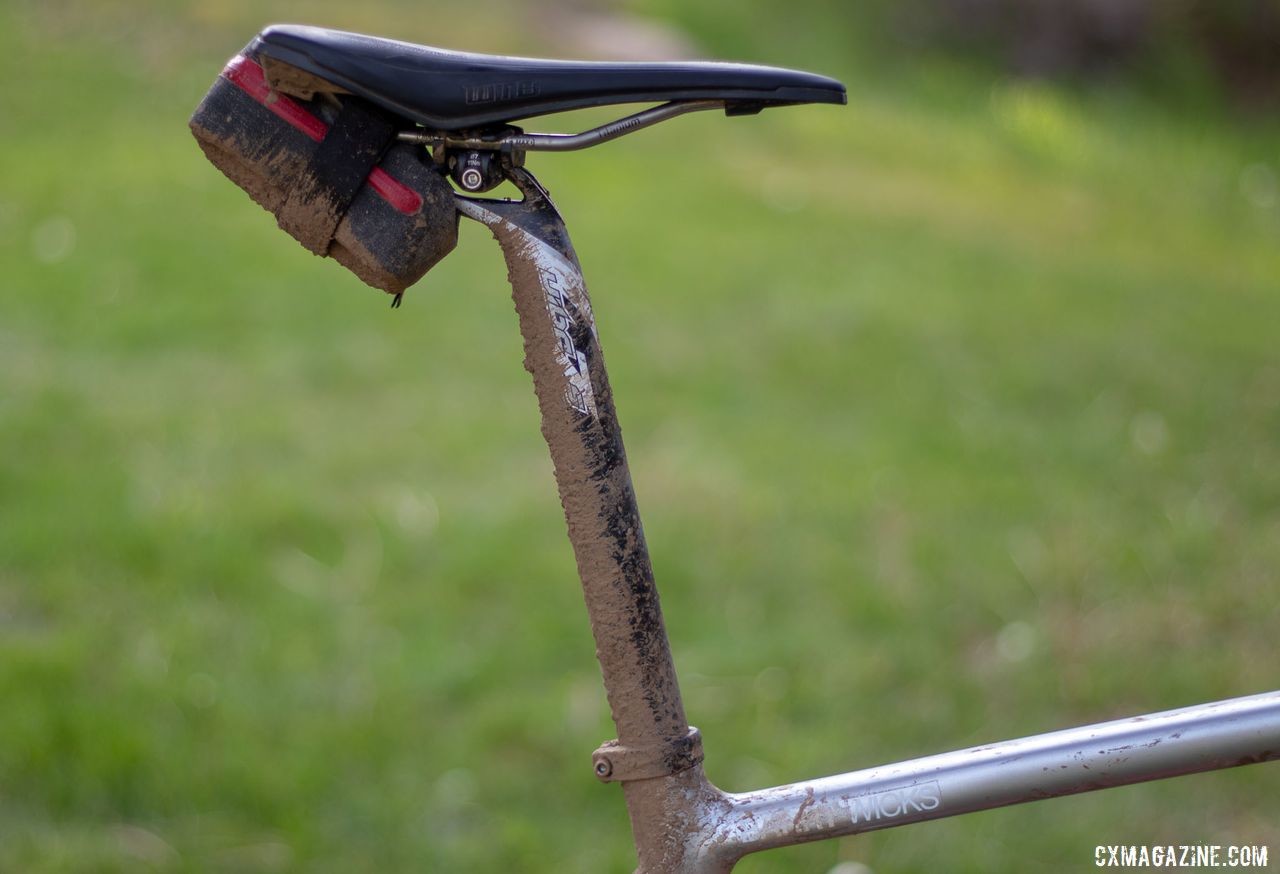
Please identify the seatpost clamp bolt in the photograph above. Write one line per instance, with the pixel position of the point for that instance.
(471, 179)
(477, 171)
(614, 761)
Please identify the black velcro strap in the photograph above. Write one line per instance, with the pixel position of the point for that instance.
(351, 149)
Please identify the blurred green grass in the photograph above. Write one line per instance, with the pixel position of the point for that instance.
(953, 415)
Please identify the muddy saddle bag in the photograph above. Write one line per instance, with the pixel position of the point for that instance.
(327, 165)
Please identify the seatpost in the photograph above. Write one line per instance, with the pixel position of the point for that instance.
(657, 755)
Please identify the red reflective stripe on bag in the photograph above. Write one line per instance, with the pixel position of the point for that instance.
(247, 75)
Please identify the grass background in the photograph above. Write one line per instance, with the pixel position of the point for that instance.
(954, 415)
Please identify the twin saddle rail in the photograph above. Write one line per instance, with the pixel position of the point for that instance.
(290, 119)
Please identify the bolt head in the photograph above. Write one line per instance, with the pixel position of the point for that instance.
(603, 768)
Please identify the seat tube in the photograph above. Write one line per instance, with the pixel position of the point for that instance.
(580, 425)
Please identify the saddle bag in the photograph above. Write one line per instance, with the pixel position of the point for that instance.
(327, 165)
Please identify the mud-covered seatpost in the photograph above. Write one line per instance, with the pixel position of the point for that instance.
(656, 752)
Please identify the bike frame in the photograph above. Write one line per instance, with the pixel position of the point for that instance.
(680, 821)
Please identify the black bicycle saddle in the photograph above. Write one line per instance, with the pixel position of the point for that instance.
(450, 91)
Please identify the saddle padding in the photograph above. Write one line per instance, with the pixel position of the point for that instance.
(449, 91)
